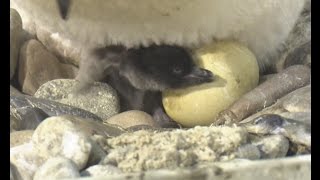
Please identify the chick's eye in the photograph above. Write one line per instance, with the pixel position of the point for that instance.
(177, 70)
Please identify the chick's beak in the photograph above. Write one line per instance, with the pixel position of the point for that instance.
(200, 75)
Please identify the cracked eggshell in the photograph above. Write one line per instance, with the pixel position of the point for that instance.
(236, 72)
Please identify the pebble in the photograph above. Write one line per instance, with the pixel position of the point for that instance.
(303, 117)
(232, 164)
(297, 132)
(266, 94)
(100, 170)
(37, 66)
(100, 98)
(20, 137)
(14, 123)
(293, 168)
(148, 127)
(273, 146)
(14, 91)
(281, 168)
(15, 39)
(57, 168)
(11, 174)
(132, 118)
(248, 151)
(70, 137)
(58, 136)
(101, 141)
(297, 150)
(266, 77)
(51, 108)
(24, 117)
(25, 161)
(97, 153)
(27, 117)
(14, 175)
(298, 102)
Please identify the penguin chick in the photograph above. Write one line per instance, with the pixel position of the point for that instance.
(140, 74)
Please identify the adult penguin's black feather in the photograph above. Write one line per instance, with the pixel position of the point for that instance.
(63, 6)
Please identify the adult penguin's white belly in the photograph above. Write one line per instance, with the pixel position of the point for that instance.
(261, 25)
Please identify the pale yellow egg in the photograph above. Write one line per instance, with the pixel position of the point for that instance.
(236, 72)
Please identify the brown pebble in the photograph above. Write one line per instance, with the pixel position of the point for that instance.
(132, 118)
(37, 66)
